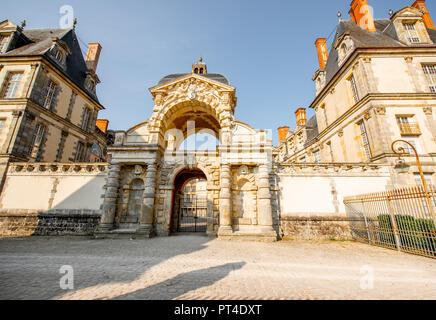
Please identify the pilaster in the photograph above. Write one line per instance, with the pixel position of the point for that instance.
(110, 198)
(147, 213)
(225, 201)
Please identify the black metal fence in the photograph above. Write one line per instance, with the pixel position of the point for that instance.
(402, 219)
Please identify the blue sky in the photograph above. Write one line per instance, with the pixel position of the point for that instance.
(265, 48)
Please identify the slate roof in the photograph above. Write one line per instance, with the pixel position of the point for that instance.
(37, 42)
(385, 37)
(213, 76)
(311, 130)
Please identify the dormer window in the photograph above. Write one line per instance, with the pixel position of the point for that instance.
(4, 42)
(91, 86)
(412, 34)
(320, 79)
(59, 52)
(58, 55)
(344, 47)
(410, 27)
(91, 82)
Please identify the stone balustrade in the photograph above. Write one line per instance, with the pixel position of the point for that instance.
(30, 168)
(335, 169)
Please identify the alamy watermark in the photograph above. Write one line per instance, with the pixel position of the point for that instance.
(367, 277)
(67, 19)
(67, 280)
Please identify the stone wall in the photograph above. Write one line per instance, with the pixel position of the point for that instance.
(308, 198)
(315, 228)
(23, 223)
(52, 199)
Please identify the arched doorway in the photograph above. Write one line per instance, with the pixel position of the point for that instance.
(190, 205)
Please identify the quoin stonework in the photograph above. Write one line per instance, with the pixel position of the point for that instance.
(375, 84)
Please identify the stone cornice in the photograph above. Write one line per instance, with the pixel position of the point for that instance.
(374, 97)
(54, 168)
(333, 169)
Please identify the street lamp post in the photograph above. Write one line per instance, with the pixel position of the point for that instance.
(402, 167)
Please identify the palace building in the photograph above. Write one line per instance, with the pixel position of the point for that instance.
(48, 100)
(376, 84)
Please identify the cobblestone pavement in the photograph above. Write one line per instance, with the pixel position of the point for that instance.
(194, 267)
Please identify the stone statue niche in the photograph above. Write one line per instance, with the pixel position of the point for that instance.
(135, 202)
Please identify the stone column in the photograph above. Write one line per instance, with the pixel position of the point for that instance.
(264, 200)
(110, 198)
(146, 221)
(225, 201)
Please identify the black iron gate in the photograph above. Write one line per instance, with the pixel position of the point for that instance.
(192, 214)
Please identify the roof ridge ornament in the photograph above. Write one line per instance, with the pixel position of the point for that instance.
(199, 67)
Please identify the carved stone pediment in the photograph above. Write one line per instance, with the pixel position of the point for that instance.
(407, 12)
(193, 87)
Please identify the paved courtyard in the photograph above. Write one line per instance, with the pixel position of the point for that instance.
(195, 267)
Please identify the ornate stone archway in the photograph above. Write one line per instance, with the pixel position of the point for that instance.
(209, 101)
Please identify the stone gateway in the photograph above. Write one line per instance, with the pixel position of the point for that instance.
(149, 170)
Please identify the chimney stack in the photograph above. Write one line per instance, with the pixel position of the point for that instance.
(321, 49)
(361, 14)
(301, 116)
(92, 56)
(283, 132)
(102, 124)
(420, 5)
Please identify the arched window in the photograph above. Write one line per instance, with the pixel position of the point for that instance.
(344, 50)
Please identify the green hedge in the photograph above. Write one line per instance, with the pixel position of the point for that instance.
(413, 233)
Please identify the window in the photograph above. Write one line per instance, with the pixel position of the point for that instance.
(49, 98)
(365, 140)
(91, 85)
(2, 124)
(38, 135)
(353, 85)
(12, 85)
(95, 153)
(3, 43)
(427, 177)
(344, 50)
(86, 118)
(80, 151)
(58, 56)
(316, 156)
(404, 119)
(412, 34)
(414, 141)
(408, 126)
(430, 73)
(303, 159)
